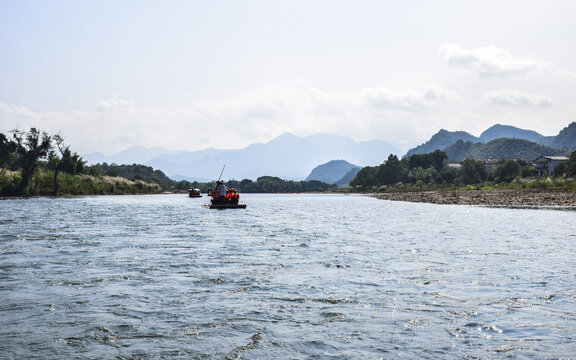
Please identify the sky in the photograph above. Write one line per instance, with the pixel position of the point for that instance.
(190, 75)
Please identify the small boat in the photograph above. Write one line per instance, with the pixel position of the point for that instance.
(194, 193)
(228, 201)
(225, 206)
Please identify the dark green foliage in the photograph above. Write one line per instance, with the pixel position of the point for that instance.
(421, 171)
(507, 170)
(500, 149)
(419, 168)
(7, 152)
(30, 147)
(567, 168)
(136, 172)
(365, 178)
(25, 173)
(61, 159)
(71, 163)
(42, 184)
(460, 150)
(272, 184)
(474, 171)
(512, 149)
(435, 159)
(392, 171)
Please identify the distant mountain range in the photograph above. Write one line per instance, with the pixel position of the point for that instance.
(287, 156)
(297, 158)
(499, 141)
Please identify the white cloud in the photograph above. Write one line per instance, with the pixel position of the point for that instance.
(8, 112)
(492, 61)
(408, 100)
(408, 116)
(517, 98)
(113, 105)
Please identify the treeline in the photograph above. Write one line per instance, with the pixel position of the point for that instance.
(36, 163)
(272, 184)
(434, 170)
(264, 184)
(136, 172)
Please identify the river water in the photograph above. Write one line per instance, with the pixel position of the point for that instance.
(290, 276)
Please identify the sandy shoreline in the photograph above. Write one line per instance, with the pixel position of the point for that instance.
(564, 199)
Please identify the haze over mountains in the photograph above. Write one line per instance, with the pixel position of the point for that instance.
(292, 157)
(286, 156)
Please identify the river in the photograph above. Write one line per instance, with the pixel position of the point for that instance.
(290, 276)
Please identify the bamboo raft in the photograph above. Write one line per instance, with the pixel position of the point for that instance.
(224, 206)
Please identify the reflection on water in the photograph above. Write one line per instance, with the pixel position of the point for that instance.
(291, 276)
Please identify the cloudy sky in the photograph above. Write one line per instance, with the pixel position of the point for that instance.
(188, 75)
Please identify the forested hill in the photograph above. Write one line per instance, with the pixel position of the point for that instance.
(333, 172)
(459, 144)
(566, 139)
(441, 140)
(500, 149)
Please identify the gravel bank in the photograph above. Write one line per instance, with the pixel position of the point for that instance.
(509, 198)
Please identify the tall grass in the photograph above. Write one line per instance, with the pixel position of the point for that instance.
(43, 184)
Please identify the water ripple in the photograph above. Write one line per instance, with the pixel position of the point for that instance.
(291, 276)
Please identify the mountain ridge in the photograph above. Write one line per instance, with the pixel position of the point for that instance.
(501, 148)
(295, 158)
(287, 156)
(444, 139)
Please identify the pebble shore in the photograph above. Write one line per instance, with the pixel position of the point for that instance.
(564, 199)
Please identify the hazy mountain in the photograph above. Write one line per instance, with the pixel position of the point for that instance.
(441, 140)
(133, 155)
(332, 172)
(345, 181)
(286, 156)
(506, 131)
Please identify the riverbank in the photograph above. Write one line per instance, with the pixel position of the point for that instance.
(508, 198)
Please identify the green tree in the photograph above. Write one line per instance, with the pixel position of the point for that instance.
(507, 170)
(30, 147)
(424, 161)
(391, 172)
(568, 167)
(7, 151)
(437, 159)
(54, 161)
(474, 171)
(366, 177)
(61, 159)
